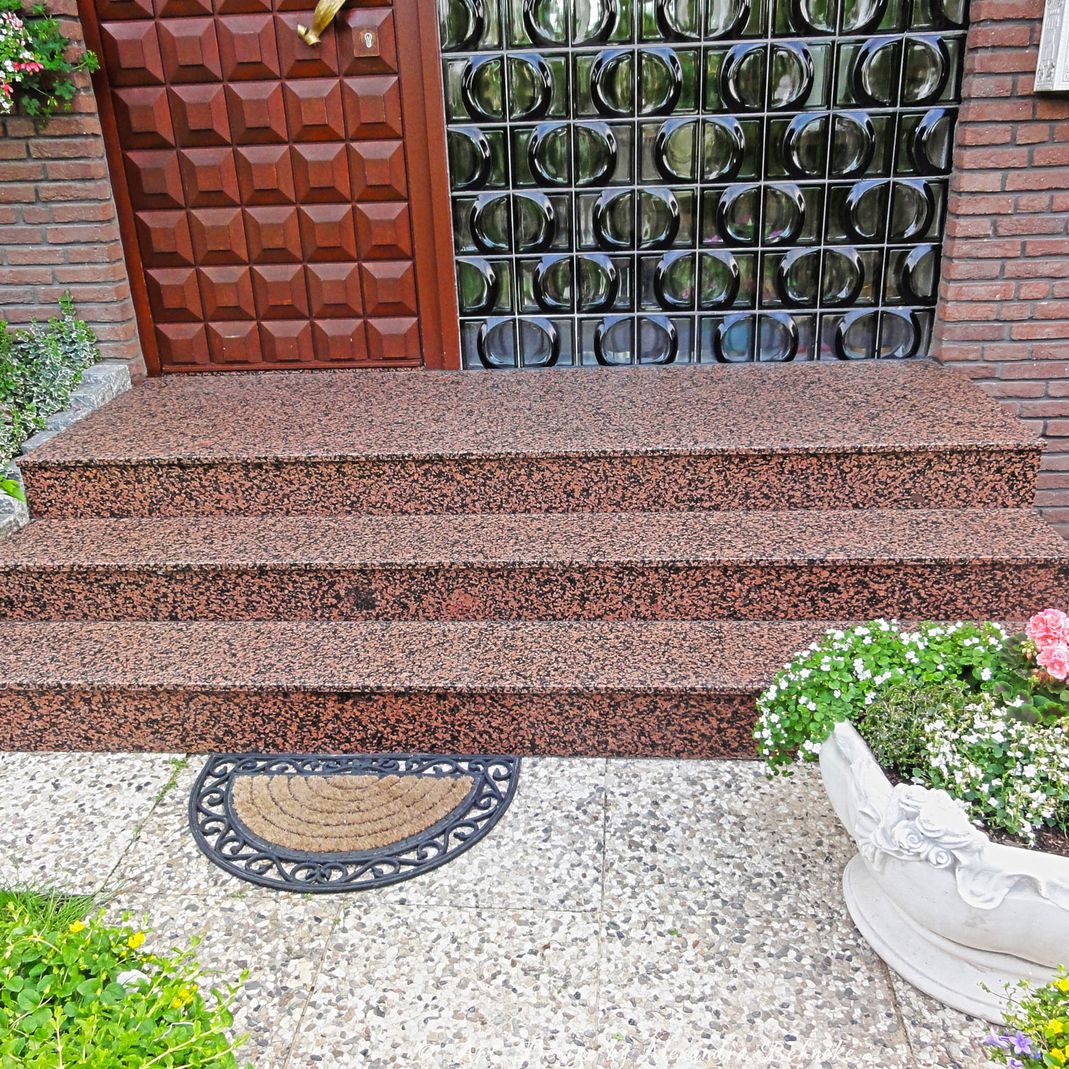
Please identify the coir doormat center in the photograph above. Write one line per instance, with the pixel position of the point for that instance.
(324, 822)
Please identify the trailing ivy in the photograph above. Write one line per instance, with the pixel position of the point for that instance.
(40, 366)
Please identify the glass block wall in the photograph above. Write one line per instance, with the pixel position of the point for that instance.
(656, 181)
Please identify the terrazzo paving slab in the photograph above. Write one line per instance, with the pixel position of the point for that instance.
(67, 818)
(681, 834)
(165, 859)
(781, 979)
(546, 851)
(496, 989)
(721, 942)
(939, 1037)
(280, 941)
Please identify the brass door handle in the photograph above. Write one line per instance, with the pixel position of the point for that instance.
(321, 19)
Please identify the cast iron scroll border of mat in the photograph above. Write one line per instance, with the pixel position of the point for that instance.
(233, 847)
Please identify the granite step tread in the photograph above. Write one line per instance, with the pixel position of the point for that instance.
(877, 536)
(406, 657)
(582, 411)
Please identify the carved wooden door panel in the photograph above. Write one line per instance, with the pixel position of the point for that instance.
(283, 205)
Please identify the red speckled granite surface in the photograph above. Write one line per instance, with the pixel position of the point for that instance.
(749, 565)
(572, 411)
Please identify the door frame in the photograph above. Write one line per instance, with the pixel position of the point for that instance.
(423, 118)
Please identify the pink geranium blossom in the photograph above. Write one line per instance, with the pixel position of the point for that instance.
(1055, 660)
(1048, 628)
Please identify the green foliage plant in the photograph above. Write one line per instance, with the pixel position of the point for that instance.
(38, 63)
(40, 366)
(840, 675)
(76, 990)
(1035, 1032)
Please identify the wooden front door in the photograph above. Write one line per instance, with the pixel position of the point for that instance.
(283, 206)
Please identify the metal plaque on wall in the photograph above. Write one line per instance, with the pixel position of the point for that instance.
(1052, 69)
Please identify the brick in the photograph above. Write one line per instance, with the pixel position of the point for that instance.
(54, 148)
(98, 211)
(1045, 408)
(1055, 329)
(1045, 247)
(1032, 133)
(985, 157)
(1033, 291)
(63, 170)
(69, 275)
(15, 295)
(994, 110)
(1018, 310)
(978, 227)
(72, 234)
(1050, 155)
(1046, 178)
(991, 249)
(978, 291)
(1030, 224)
(982, 204)
(1004, 61)
(963, 269)
(976, 182)
(98, 190)
(1035, 202)
(19, 235)
(1050, 108)
(972, 332)
(985, 10)
(986, 133)
(1014, 390)
(34, 254)
(1021, 268)
(17, 193)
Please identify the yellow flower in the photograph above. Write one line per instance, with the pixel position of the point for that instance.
(135, 940)
(1062, 985)
(1054, 1027)
(78, 926)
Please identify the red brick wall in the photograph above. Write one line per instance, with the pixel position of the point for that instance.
(1004, 310)
(58, 228)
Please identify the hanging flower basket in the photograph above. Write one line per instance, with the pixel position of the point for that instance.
(37, 62)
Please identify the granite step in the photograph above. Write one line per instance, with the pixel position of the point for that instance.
(665, 689)
(787, 565)
(821, 435)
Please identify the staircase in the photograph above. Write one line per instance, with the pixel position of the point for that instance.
(589, 561)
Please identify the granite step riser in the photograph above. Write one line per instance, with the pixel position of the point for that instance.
(802, 591)
(622, 723)
(973, 478)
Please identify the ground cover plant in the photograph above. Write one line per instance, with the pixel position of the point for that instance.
(1036, 1028)
(40, 365)
(963, 707)
(76, 990)
(37, 62)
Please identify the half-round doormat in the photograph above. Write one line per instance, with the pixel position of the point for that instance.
(322, 822)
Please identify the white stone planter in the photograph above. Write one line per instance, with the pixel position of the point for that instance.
(945, 907)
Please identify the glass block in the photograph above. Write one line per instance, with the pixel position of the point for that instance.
(636, 181)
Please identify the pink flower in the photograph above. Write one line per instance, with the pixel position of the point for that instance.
(1049, 627)
(1055, 659)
